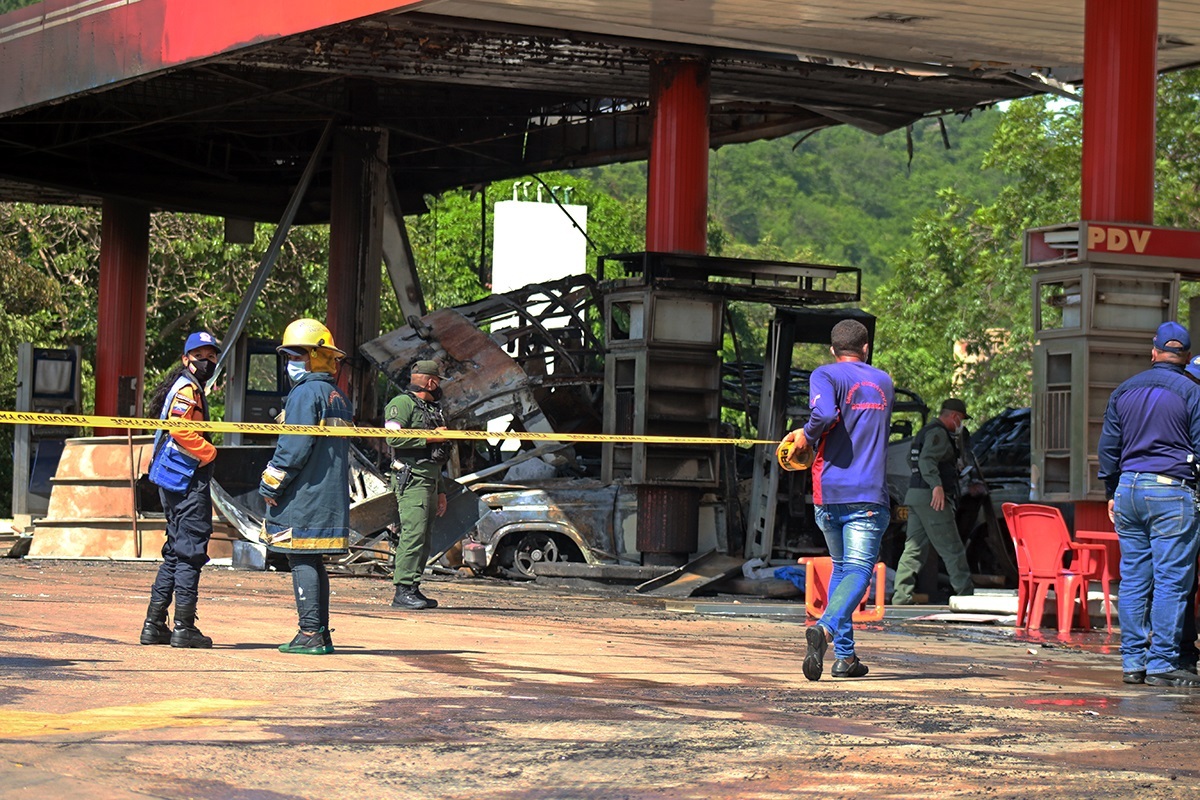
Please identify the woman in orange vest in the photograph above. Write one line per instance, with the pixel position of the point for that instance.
(182, 469)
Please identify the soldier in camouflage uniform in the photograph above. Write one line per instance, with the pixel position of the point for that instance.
(416, 477)
(932, 501)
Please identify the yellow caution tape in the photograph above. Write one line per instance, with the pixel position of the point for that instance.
(274, 429)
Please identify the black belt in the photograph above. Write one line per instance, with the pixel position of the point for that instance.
(398, 464)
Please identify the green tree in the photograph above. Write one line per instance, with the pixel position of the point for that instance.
(1177, 173)
(960, 280)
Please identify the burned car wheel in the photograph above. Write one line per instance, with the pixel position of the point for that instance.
(534, 548)
(531, 549)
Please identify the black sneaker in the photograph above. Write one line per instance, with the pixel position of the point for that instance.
(1136, 676)
(814, 660)
(1176, 677)
(408, 597)
(848, 668)
(309, 644)
(429, 601)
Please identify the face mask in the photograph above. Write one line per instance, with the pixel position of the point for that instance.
(203, 369)
(296, 370)
(434, 394)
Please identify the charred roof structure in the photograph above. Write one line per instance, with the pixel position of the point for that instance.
(215, 107)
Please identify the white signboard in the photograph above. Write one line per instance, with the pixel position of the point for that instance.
(534, 242)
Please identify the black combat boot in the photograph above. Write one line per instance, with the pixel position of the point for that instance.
(429, 601)
(154, 629)
(186, 634)
(408, 597)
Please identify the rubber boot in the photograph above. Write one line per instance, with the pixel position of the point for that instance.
(186, 634)
(154, 629)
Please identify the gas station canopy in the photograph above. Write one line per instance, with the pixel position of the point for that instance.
(216, 106)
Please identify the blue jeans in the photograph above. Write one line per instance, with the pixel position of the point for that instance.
(1156, 524)
(853, 532)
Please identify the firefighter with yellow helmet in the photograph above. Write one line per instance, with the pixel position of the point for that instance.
(305, 483)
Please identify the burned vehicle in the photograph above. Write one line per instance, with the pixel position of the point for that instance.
(1000, 460)
(536, 522)
(636, 354)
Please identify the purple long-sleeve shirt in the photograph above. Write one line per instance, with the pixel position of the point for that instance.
(851, 414)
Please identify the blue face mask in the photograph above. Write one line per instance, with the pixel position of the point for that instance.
(296, 370)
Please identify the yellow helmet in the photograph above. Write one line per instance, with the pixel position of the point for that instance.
(310, 334)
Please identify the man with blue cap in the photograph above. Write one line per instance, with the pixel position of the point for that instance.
(1147, 451)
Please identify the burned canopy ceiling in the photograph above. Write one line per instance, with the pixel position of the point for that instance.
(464, 101)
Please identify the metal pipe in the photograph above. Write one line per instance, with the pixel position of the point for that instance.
(268, 260)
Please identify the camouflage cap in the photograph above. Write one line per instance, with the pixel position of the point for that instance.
(427, 367)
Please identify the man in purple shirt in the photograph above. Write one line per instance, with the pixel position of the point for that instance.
(850, 416)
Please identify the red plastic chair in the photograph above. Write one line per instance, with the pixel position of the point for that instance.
(1042, 533)
(817, 574)
(1024, 575)
(1108, 572)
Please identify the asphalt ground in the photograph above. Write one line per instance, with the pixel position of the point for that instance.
(523, 691)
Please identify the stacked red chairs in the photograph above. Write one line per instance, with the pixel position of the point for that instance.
(1054, 561)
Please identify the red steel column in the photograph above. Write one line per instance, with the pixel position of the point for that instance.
(356, 252)
(1117, 183)
(668, 518)
(121, 322)
(677, 190)
(1120, 46)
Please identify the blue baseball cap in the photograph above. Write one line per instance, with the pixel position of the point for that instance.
(1172, 332)
(1193, 368)
(200, 339)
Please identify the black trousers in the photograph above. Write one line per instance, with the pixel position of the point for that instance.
(310, 584)
(189, 527)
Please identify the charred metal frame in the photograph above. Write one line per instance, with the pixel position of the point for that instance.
(462, 102)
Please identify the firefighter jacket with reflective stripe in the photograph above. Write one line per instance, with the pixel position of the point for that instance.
(309, 476)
